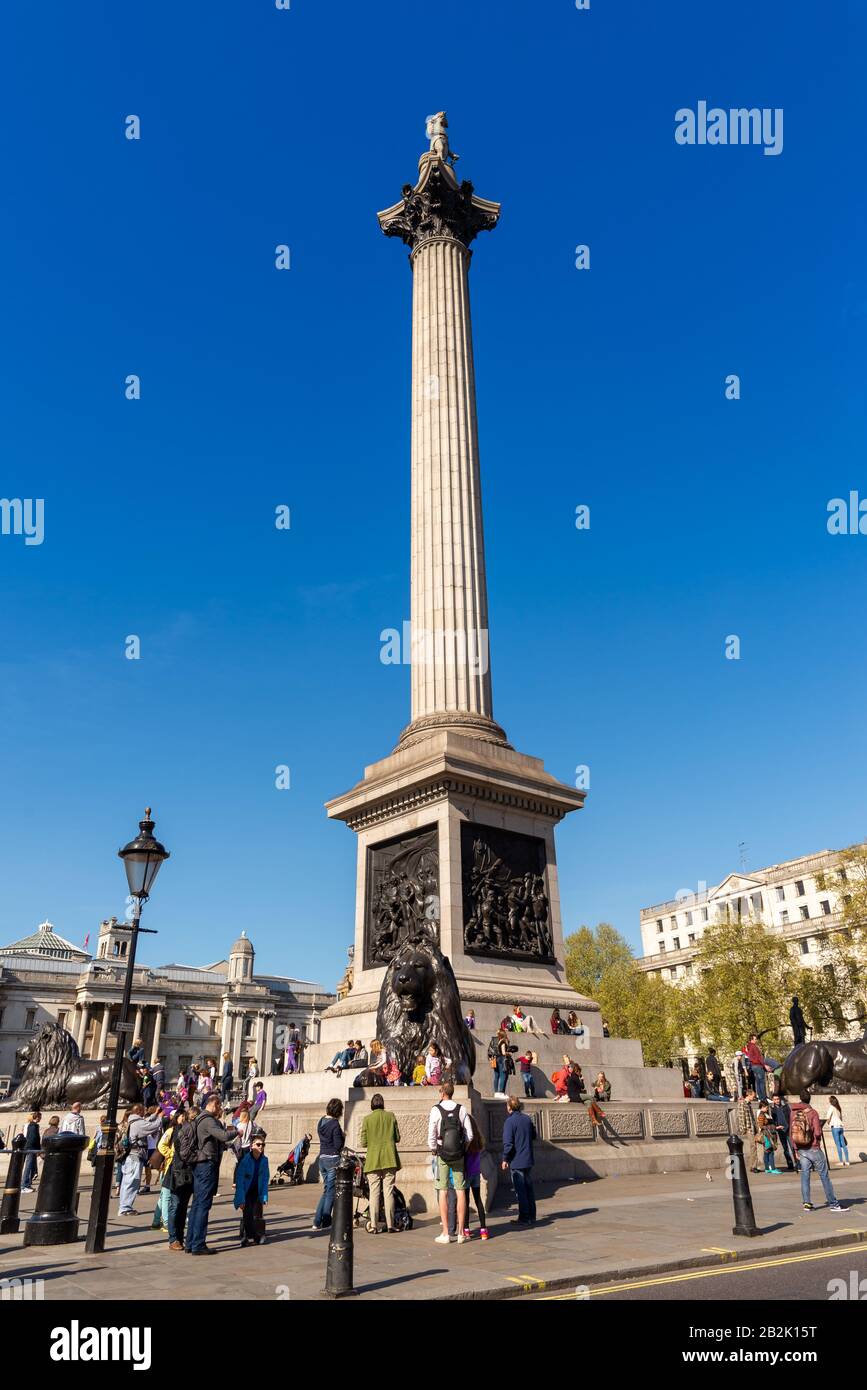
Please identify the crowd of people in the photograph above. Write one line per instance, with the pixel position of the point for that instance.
(457, 1148)
(180, 1147)
(778, 1130)
(176, 1137)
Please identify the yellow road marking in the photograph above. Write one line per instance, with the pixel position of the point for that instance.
(527, 1281)
(713, 1273)
(719, 1250)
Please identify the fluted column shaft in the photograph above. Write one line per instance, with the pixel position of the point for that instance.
(449, 606)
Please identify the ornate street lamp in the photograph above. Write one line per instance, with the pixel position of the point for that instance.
(142, 859)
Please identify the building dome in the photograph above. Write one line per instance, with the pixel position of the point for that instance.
(241, 959)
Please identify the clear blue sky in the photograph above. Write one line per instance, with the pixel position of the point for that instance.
(259, 387)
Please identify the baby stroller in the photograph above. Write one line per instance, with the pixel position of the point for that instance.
(361, 1215)
(292, 1171)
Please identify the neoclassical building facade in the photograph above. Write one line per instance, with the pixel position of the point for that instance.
(181, 1013)
(791, 898)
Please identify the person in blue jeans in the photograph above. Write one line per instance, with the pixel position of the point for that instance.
(31, 1141)
(834, 1118)
(519, 1133)
(331, 1140)
(810, 1157)
(342, 1059)
(501, 1057)
(212, 1139)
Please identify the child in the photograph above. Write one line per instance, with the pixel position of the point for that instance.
(526, 1063)
(433, 1066)
(473, 1174)
(252, 1177)
(418, 1075)
(392, 1072)
(560, 1077)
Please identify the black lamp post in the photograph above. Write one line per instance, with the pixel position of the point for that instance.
(142, 859)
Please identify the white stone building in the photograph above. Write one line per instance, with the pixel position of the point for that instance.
(784, 896)
(181, 1012)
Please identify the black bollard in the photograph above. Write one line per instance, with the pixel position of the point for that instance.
(9, 1222)
(55, 1222)
(745, 1221)
(338, 1274)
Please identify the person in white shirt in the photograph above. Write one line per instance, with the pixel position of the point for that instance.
(447, 1140)
(73, 1120)
(834, 1118)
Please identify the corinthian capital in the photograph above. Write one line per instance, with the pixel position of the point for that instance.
(438, 206)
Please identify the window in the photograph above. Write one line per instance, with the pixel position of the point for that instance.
(662, 948)
(184, 1063)
(843, 875)
(2, 1011)
(188, 1026)
(805, 946)
(675, 943)
(799, 887)
(674, 921)
(248, 1027)
(704, 914)
(213, 1027)
(784, 916)
(691, 938)
(781, 894)
(826, 907)
(805, 914)
(689, 919)
(673, 972)
(30, 1018)
(61, 1019)
(756, 901)
(658, 925)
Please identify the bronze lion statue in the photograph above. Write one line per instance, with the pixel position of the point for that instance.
(824, 1065)
(55, 1074)
(419, 1004)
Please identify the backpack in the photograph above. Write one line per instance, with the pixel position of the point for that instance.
(186, 1145)
(122, 1145)
(453, 1143)
(801, 1131)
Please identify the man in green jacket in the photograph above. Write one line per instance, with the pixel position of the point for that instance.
(380, 1136)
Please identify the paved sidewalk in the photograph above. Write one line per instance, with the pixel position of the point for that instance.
(610, 1229)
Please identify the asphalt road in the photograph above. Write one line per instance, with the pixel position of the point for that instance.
(796, 1277)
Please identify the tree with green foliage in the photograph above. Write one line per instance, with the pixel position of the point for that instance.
(600, 963)
(743, 979)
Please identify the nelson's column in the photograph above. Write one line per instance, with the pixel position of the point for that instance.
(454, 827)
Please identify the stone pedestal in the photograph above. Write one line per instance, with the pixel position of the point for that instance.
(425, 809)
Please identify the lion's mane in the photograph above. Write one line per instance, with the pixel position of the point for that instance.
(438, 1016)
(53, 1057)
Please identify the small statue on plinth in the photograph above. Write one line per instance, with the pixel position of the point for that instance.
(436, 129)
